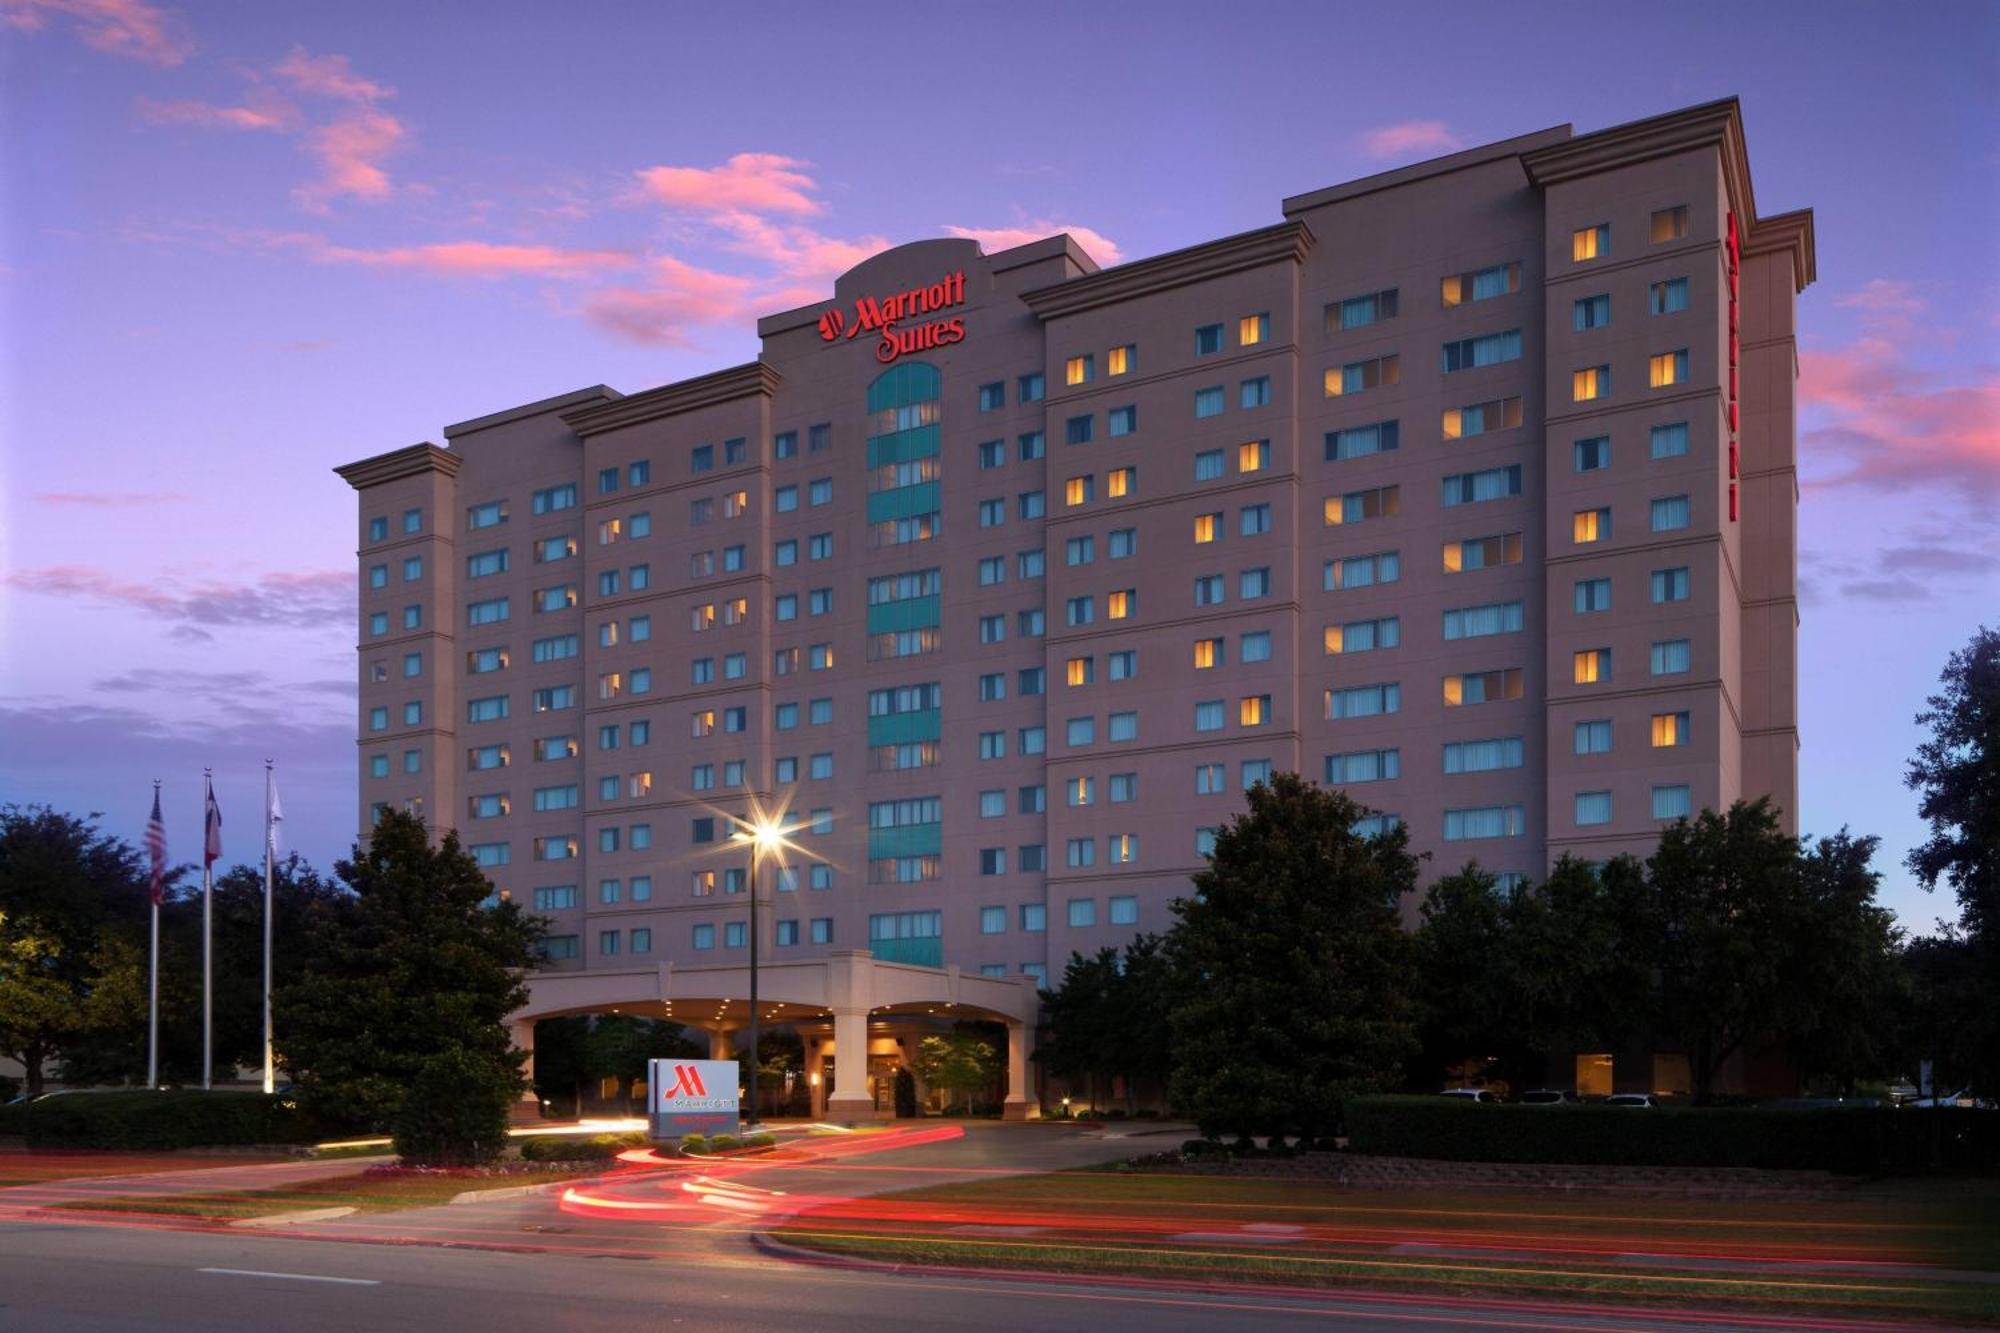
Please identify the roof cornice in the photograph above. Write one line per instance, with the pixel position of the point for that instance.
(1417, 171)
(724, 386)
(1787, 232)
(1287, 242)
(595, 393)
(1717, 125)
(416, 460)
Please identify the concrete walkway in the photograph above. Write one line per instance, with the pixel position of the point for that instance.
(190, 1180)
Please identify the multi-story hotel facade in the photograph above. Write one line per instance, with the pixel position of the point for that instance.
(1468, 488)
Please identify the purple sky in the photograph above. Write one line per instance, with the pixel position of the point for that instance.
(242, 243)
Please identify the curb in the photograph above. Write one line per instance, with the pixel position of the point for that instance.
(505, 1192)
(799, 1254)
(293, 1218)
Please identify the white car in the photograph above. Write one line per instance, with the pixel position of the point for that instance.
(1480, 1095)
(1644, 1099)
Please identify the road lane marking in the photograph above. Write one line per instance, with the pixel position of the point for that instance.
(293, 1277)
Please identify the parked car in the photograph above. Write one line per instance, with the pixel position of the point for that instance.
(1644, 1099)
(1549, 1097)
(1481, 1095)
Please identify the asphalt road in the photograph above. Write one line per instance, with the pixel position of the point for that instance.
(67, 1278)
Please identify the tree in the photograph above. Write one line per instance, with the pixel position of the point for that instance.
(1957, 771)
(1082, 1033)
(1837, 991)
(410, 966)
(1292, 967)
(1725, 911)
(966, 1061)
(619, 1045)
(47, 1007)
(1461, 950)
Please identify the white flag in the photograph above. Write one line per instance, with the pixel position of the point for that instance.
(275, 817)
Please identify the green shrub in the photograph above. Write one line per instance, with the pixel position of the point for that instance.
(182, 1118)
(10, 1088)
(455, 1112)
(596, 1148)
(722, 1143)
(1852, 1141)
(13, 1119)
(761, 1141)
(694, 1143)
(1197, 1149)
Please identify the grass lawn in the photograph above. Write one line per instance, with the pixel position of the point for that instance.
(22, 1166)
(1791, 1254)
(360, 1191)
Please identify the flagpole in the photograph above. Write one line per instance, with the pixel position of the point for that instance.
(153, 971)
(270, 852)
(207, 940)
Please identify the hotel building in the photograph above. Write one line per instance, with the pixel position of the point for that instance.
(1468, 488)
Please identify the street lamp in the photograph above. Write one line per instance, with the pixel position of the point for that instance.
(764, 834)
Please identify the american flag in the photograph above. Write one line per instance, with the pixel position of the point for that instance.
(211, 846)
(156, 849)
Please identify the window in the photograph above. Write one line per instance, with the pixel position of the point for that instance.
(1487, 350)
(1208, 715)
(992, 513)
(1079, 430)
(1593, 807)
(1254, 583)
(1592, 595)
(1080, 369)
(1209, 590)
(1364, 636)
(1591, 455)
(1592, 666)
(1489, 484)
(1363, 766)
(488, 515)
(1030, 388)
(1670, 513)
(1592, 737)
(1590, 383)
(1360, 376)
(1361, 441)
(1364, 701)
(1080, 731)
(785, 444)
(1482, 756)
(1255, 647)
(1032, 445)
(1670, 440)
(1122, 420)
(1082, 911)
(1209, 402)
(1360, 506)
(785, 499)
(1081, 670)
(1208, 465)
(378, 621)
(1080, 610)
(490, 709)
(551, 549)
(1253, 710)
(1204, 842)
(993, 397)
(1208, 340)
(1031, 681)
(1120, 482)
(1487, 821)
(1670, 296)
(1590, 525)
(1122, 726)
(1211, 779)
(1032, 740)
(486, 563)
(1254, 392)
(378, 529)
(1587, 243)
(1481, 687)
(1474, 622)
(1670, 585)
(1079, 792)
(1592, 312)
(1029, 564)
(1670, 657)
(1479, 418)
(1361, 571)
(1668, 369)
(992, 453)
(378, 576)
(1481, 284)
(1672, 803)
(992, 569)
(1359, 311)
(993, 860)
(1670, 730)
(822, 929)
(1122, 543)
(1030, 504)
(1669, 224)
(552, 499)
(1253, 456)
(1121, 849)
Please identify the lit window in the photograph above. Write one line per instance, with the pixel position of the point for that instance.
(1078, 490)
(1669, 730)
(1120, 482)
(1590, 383)
(1121, 360)
(1590, 525)
(1669, 224)
(1206, 528)
(1254, 456)
(1208, 653)
(1590, 242)
(1253, 329)
(1591, 666)
(1121, 604)
(1080, 670)
(1080, 369)
(1254, 710)
(1481, 284)
(1668, 369)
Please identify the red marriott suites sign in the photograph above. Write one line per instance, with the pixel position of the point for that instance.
(885, 317)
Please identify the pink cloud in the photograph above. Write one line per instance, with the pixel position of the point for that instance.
(328, 76)
(129, 28)
(1095, 243)
(678, 295)
(350, 151)
(798, 254)
(1408, 137)
(111, 499)
(308, 599)
(273, 115)
(747, 182)
(476, 259)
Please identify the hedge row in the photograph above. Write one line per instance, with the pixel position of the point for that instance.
(13, 1120)
(1858, 1141)
(168, 1119)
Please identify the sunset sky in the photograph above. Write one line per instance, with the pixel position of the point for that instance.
(241, 243)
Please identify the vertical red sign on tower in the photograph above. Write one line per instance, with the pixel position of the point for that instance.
(1732, 258)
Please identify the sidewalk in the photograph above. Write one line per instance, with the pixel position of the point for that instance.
(15, 1199)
